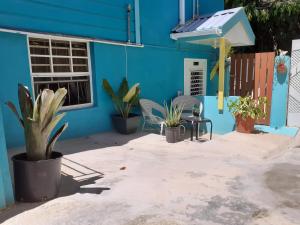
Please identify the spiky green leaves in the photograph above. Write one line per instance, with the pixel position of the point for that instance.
(173, 114)
(124, 99)
(39, 120)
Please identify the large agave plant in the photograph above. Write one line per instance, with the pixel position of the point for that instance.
(173, 115)
(125, 98)
(39, 119)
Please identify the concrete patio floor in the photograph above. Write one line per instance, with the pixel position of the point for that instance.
(111, 179)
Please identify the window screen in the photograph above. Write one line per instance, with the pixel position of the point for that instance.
(61, 63)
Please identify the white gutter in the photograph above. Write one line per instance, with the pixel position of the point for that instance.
(75, 38)
(137, 22)
(181, 12)
(176, 36)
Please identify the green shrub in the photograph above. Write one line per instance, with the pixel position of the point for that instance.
(249, 107)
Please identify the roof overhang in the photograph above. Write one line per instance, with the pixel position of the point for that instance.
(234, 27)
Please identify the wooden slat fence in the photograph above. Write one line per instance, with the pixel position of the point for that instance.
(252, 74)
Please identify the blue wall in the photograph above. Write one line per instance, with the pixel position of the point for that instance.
(6, 192)
(280, 94)
(158, 66)
(102, 19)
(222, 122)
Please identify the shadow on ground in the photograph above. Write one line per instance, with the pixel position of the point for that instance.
(284, 181)
(84, 183)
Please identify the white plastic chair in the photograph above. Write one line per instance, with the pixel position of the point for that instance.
(188, 102)
(148, 107)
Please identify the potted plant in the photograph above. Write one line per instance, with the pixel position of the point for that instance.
(125, 122)
(173, 122)
(246, 111)
(37, 173)
(280, 62)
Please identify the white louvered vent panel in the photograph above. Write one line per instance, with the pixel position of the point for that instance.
(195, 77)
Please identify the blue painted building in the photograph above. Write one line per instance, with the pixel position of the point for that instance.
(55, 43)
(156, 62)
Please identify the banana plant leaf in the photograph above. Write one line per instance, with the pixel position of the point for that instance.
(131, 93)
(14, 110)
(54, 139)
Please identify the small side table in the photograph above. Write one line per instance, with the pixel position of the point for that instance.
(195, 121)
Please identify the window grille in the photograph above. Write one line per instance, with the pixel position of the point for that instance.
(61, 63)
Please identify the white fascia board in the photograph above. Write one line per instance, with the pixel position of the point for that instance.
(70, 37)
(176, 36)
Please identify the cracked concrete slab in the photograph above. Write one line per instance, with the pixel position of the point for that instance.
(111, 179)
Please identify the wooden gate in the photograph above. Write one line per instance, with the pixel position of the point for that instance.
(252, 74)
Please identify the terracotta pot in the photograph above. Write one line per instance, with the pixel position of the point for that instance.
(244, 125)
(281, 68)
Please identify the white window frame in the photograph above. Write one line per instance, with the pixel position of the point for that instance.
(187, 73)
(67, 74)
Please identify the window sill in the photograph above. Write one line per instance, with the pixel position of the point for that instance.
(76, 107)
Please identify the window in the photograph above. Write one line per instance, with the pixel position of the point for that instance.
(57, 63)
(195, 76)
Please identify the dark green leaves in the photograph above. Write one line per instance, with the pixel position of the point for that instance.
(275, 22)
(125, 99)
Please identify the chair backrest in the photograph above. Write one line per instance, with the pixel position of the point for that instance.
(188, 102)
(148, 106)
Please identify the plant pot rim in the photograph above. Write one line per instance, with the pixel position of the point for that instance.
(247, 117)
(173, 127)
(22, 157)
(130, 115)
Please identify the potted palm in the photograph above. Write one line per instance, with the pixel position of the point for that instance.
(246, 111)
(125, 121)
(37, 173)
(173, 122)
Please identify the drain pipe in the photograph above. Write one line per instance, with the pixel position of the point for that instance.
(194, 9)
(137, 21)
(128, 23)
(197, 8)
(181, 12)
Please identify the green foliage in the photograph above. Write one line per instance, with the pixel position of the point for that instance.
(39, 119)
(249, 107)
(125, 98)
(275, 22)
(173, 115)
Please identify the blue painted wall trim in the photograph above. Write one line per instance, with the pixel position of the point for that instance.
(287, 131)
(280, 95)
(240, 17)
(222, 123)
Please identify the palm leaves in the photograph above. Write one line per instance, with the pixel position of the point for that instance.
(39, 119)
(125, 98)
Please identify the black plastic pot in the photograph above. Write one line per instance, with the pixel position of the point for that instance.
(36, 180)
(128, 125)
